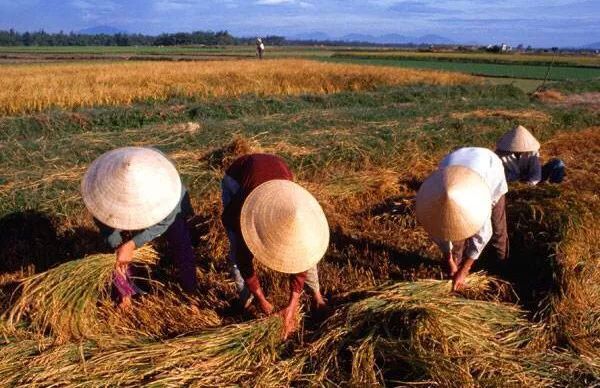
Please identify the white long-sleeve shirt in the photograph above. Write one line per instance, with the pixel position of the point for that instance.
(489, 166)
(522, 166)
(474, 245)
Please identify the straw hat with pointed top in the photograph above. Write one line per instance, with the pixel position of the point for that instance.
(453, 203)
(131, 188)
(518, 139)
(284, 226)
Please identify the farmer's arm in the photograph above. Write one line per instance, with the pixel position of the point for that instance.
(473, 248)
(184, 206)
(289, 313)
(154, 231)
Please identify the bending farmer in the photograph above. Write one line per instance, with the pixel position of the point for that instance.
(520, 154)
(135, 195)
(462, 207)
(276, 221)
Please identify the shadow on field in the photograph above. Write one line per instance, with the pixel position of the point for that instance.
(411, 183)
(30, 239)
(384, 260)
(535, 228)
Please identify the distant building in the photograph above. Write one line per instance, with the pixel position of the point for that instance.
(498, 48)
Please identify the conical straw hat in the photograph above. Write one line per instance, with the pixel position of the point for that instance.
(453, 203)
(131, 188)
(284, 226)
(518, 139)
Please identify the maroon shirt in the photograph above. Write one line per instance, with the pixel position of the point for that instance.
(250, 171)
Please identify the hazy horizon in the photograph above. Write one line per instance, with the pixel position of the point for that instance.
(555, 23)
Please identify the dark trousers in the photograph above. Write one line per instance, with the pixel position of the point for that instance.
(179, 245)
(553, 171)
(499, 242)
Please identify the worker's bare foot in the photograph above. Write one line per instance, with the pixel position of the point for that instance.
(319, 302)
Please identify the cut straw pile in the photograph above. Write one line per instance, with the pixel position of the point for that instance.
(230, 355)
(64, 301)
(418, 333)
(409, 332)
(161, 314)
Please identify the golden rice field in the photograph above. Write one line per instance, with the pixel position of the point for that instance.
(34, 88)
(363, 153)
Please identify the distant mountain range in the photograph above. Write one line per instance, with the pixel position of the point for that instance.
(380, 39)
(108, 30)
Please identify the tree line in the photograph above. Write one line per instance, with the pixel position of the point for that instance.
(42, 38)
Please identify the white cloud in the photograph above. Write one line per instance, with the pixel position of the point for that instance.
(92, 11)
(283, 2)
(173, 5)
(274, 2)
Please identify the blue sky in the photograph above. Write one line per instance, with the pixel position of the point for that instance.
(540, 23)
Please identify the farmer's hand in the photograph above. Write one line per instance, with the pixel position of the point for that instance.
(458, 280)
(124, 256)
(289, 315)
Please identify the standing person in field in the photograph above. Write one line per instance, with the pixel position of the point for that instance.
(276, 221)
(519, 151)
(136, 195)
(260, 48)
(462, 206)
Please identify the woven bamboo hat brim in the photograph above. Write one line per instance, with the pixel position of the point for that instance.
(284, 226)
(453, 203)
(131, 188)
(518, 139)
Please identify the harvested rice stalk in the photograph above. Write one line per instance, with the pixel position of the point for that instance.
(162, 314)
(13, 354)
(282, 373)
(564, 369)
(575, 310)
(64, 300)
(226, 356)
(420, 332)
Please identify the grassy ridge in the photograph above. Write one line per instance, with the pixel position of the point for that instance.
(505, 58)
(570, 87)
(525, 71)
(302, 51)
(237, 51)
